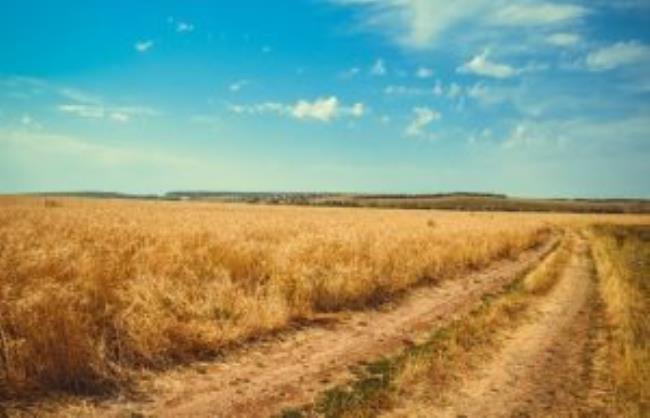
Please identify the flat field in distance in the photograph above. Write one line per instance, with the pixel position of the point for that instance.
(92, 291)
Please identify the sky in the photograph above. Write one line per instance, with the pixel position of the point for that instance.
(539, 98)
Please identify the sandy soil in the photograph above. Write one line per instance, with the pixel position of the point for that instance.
(263, 378)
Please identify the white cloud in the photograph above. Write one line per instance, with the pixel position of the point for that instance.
(617, 55)
(184, 27)
(99, 111)
(31, 87)
(81, 103)
(484, 94)
(238, 85)
(84, 111)
(424, 23)
(522, 135)
(322, 109)
(378, 68)
(424, 72)
(563, 39)
(423, 117)
(453, 91)
(143, 46)
(357, 110)
(481, 65)
(537, 13)
(415, 23)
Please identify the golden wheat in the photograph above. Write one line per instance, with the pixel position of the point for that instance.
(623, 261)
(91, 291)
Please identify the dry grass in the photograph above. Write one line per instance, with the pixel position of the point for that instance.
(422, 374)
(91, 291)
(623, 260)
(542, 279)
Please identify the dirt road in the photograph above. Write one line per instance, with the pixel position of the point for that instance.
(541, 369)
(264, 378)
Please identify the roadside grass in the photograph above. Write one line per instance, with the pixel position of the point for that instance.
(424, 371)
(622, 255)
(542, 279)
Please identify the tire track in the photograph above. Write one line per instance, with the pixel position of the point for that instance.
(541, 369)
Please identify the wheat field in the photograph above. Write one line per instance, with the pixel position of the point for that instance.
(91, 291)
(94, 291)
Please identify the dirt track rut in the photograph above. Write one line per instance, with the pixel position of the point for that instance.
(542, 369)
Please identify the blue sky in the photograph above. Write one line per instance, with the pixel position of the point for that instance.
(525, 97)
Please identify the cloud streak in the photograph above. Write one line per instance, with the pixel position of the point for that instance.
(322, 109)
(617, 55)
(98, 111)
(423, 23)
(422, 117)
(115, 154)
(483, 66)
(143, 46)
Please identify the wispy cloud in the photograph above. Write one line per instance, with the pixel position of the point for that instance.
(179, 25)
(424, 72)
(400, 90)
(143, 46)
(617, 55)
(99, 111)
(422, 117)
(451, 91)
(414, 23)
(454, 91)
(482, 65)
(79, 96)
(238, 85)
(321, 109)
(536, 14)
(378, 68)
(580, 132)
(423, 23)
(184, 27)
(80, 103)
(351, 72)
(563, 39)
(37, 142)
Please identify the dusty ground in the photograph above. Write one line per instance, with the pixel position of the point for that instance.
(542, 369)
(265, 377)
